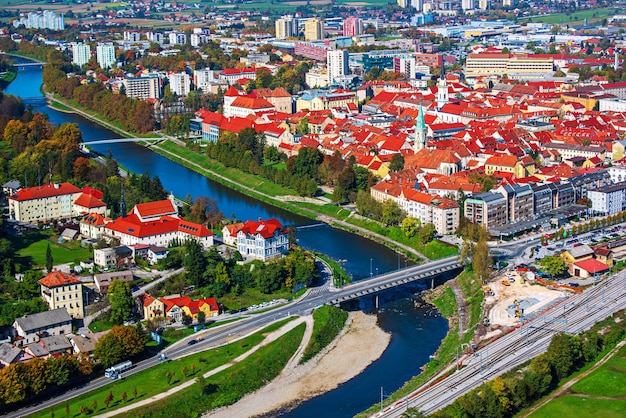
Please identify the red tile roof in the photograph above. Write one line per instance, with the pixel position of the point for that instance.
(265, 228)
(158, 208)
(58, 278)
(47, 190)
(592, 265)
(88, 201)
(131, 225)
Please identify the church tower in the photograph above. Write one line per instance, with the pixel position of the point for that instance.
(122, 204)
(442, 86)
(420, 132)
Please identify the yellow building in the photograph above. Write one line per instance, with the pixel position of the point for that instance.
(314, 29)
(42, 203)
(61, 290)
(324, 100)
(499, 64)
(576, 254)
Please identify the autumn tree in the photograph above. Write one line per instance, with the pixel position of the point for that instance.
(410, 226)
(143, 118)
(427, 233)
(482, 262)
(119, 344)
(121, 299)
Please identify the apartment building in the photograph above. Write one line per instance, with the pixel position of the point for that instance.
(62, 290)
(178, 38)
(568, 151)
(352, 26)
(488, 209)
(180, 83)
(105, 54)
(337, 64)
(144, 87)
(519, 201)
(43, 203)
(314, 29)
(542, 198)
(608, 200)
(286, 27)
(81, 53)
(514, 65)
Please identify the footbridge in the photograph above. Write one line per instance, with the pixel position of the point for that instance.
(29, 64)
(420, 272)
(118, 140)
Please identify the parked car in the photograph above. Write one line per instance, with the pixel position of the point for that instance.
(572, 284)
(191, 342)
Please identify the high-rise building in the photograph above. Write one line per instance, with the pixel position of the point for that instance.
(405, 64)
(42, 20)
(178, 38)
(467, 4)
(403, 3)
(483, 4)
(179, 83)
(286, 26)
(417, 4)
(337, 64)
(156, 37)
(507, 3)
(146, 87)
(131, 36)
(105, 53)
(80, 54)
(314, 29)
(352, 26)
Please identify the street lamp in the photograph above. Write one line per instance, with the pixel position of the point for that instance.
(376, 271)
(371, 272)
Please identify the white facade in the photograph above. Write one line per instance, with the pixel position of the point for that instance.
(286, 27)
(45, 20)
(180, 83)
(608, 200)
(132, 36)
(105, 53)
(80, 54)
(197, 39)
(178, 38)
(337, 64)
(156, 37)
(467, 4)
(146, 87)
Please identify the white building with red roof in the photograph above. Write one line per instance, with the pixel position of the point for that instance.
(92, 225)
(157, 223)
(263, 240)
(54, 201)
(62, 290)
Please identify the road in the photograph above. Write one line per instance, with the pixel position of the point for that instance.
(577, 313)
(250, 323)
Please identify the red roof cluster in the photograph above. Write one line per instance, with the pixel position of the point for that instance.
(45, 191)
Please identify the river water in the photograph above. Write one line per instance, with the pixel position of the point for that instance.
(416, 329)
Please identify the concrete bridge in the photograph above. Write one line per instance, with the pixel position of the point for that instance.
(30, 64)
(421, 272)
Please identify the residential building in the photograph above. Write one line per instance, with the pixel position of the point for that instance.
(576, 254)
(405, 64)
(352, 26)
(278, 97)
(178, 38)
(314, 50)
(47, 19)
(62, 290)
(514, 65)
(144, 87)
(608, 200)
(324, 99)
(568, 151)
(103, 280)
(81, 53)
(152, 307)
(467, 4)
(542, 199)
(30, 328)
(92, 225)
(313, 29)
(337, 64)
(132, 36)
(105, 54)
(286, 27)
(43, 203)
(564, 195)
(488, 209)
(197, 39)
(156, 37)
(156, 253)
(262, 240)
(180, 83)
(519, 201)
(229, 233)
(157, 223)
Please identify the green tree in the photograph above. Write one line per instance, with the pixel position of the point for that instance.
(482, 262)
(552, 265)
(49, 261)
(120, 343)
(427, 233)
(121, 300)
(565, 354)
(410, 226)
(195, 263)
(397, 163)
(201, 318)
(391, 213)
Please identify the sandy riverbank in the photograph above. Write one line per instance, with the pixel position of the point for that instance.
(360, 343)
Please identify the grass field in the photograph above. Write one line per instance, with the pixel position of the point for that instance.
(600, 394)
(575, 17)
(31, 250)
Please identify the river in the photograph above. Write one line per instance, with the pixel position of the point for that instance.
(416, 329)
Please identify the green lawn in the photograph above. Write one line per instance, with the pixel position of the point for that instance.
(153, 380)
(31, 250)
(252, 296)
(606, 382)
(575, 17)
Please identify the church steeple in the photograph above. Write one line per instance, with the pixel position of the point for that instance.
(122, 204)
(442, 86)
(420, 131)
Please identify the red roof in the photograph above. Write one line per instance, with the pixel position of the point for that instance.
(47, 190)
(89, 201)
(131, 225)
(160, 207)
(58, 278)
(592, 265)
(94, 192)
(264, 228)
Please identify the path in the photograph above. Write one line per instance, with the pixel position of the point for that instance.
(460, 303)
(566, 387)
(320, 217)
(270, 338)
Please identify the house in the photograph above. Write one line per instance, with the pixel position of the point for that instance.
(207, 305)
(263, 240)
(576, 254)
(62, 290)
(104, 280)
(156, 253)
(31, 328)
(229, 233)
(588, 268)
(88, 203)
(92, 225)
(116, 257)
(10, 187)
(56, 345)
(174, 307)
(152, 307)
(84, 344)
(9, 354)
(35, 350)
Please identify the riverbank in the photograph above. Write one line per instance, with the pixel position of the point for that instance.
(360, 343)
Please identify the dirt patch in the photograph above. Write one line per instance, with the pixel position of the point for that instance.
(361, 342)
(500, 307)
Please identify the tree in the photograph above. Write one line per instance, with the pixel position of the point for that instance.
(49, 261)
(195, 263)
(427, 233)
(121, 299)
(143, 118)
(410, 226)
(482, 262)
(552, 265)
(187, 320)
(201, 318)
(391, 214)
(397, 163)
(564, 354)
(467, 252)
(118, 344)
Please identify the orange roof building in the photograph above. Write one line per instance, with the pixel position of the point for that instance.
(43, 203)
(62, 290)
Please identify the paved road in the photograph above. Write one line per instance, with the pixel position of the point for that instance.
(206, 339)
(577, 313)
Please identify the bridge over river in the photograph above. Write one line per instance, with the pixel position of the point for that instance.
(419, 272)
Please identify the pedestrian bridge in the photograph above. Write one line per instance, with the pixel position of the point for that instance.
(29, 64)
(421, 272)
(119, 140)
